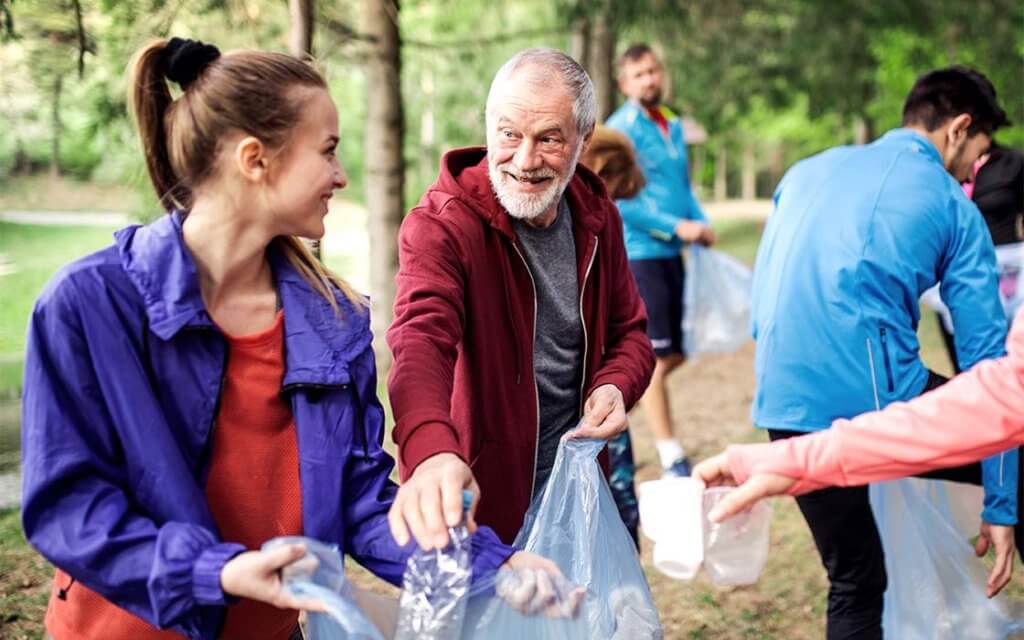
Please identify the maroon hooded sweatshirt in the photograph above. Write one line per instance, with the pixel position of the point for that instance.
(462, 380)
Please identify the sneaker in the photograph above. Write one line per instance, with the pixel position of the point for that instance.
(679, 469)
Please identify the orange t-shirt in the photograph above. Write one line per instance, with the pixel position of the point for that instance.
(253, 491)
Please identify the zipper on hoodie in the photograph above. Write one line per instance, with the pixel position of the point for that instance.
(885, 358)
(583, 322)
(536, 389)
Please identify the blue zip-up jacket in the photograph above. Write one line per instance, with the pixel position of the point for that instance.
(857, 234)
(122, 379)
(650, 218)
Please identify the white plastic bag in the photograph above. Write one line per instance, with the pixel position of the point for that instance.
(716, 302)
(1010, 264)
(575, 523)
(936, 584)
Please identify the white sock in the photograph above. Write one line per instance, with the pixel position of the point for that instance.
(669, 451)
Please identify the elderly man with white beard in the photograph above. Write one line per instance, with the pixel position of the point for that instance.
(516, 315)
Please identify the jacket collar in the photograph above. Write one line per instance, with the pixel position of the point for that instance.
(464, 176)
(319, 345)
(914, 140)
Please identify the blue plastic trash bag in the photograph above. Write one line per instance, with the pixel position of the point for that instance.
(1010, 265)
(936, 584)
(716, 302)
(435, 587)
(575, 523)
(320, 575)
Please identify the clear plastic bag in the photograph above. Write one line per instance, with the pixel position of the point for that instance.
(435, 588)
(716, 302)
(575, 523)
(936, 584)
(320, 575)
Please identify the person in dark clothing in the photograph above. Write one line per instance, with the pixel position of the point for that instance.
(997, 188)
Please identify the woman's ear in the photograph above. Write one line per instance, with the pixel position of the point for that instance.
(251, 159)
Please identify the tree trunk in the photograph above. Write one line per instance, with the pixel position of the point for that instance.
(602, 65)
(862, 130)
(721, 174)
(385, 168)
(579, 40)
(300, 31)
(57, 128)
(749, 177)
(300, 44)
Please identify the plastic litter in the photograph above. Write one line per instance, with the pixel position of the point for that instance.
(735, 550)
(671, 512)
(575, 523)
(320, 575)
(435, 588)
(674, 514)
(716, 302)
(936, 584)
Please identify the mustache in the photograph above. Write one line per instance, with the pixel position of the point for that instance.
(511, 169)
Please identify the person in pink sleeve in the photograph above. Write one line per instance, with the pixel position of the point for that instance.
(976, 414)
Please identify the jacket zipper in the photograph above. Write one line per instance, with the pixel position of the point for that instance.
(885, 358)
(874, 379)
(536, 389)
(583, 321)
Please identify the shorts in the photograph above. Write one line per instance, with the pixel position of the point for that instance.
(660, 281)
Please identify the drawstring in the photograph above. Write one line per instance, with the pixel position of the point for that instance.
(63, 593)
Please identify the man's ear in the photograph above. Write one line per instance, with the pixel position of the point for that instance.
(251, 159)
(587, 138)
(956, 130)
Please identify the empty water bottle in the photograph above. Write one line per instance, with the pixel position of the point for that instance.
(435, 587)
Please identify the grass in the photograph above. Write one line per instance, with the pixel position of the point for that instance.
(36, 253)
(24, 582)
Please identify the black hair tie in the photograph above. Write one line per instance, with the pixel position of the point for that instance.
(185, 60)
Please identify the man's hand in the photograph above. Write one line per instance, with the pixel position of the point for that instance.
(716, 472)
(431, 501)
(1001, 539)
(257, 575)
(697, 232)
(604, 414)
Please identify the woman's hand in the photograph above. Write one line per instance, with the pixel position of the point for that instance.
(716, 472)
(257, 575)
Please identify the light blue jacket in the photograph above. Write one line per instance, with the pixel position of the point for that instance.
(650, 218)
(857, 234)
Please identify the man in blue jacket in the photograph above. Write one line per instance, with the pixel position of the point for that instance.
(857, 234)
(657, 223)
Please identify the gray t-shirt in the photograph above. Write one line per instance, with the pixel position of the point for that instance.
(550, 253)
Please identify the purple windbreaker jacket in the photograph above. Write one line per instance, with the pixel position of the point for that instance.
(122, 380)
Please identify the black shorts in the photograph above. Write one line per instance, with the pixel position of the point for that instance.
(660, 281)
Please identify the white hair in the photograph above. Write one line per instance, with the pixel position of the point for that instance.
(574, 76)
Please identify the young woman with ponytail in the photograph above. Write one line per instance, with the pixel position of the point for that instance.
(204, 384)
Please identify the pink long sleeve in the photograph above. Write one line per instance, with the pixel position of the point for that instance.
(977, 414)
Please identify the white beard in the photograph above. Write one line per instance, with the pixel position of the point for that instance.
(527, 206)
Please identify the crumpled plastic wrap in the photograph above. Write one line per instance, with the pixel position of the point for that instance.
(716, 302)
(320, 575)
(574, 522)
(936, 584)
(435, 588)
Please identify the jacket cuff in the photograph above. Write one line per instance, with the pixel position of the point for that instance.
(488, 553)
(620, 382)
(206, 587)
(425, 441)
